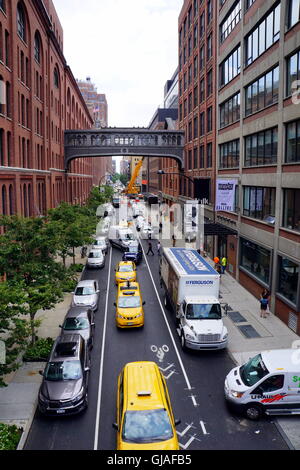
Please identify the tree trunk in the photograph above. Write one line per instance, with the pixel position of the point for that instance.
(32, 327)
(73, 255)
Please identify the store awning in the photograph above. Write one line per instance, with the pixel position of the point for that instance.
(218, 229)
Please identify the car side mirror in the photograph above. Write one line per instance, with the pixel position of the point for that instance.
(177, 422)
(41, 373)
(115, 304)
(144, 303)
(115, 426)
(87, 369)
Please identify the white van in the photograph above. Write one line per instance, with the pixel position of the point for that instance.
(268, 383)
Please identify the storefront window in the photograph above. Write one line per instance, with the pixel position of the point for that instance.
(291, 211)
(256, 260)
(288, 279)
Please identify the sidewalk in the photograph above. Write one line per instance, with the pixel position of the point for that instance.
(18, 400)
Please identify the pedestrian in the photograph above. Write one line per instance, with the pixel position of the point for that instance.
(216, 261)
(158, 248)
(224, 264)
(160, 227)
(83, 251)
(150, 248)
(218, 268)
(173, 240)
(264, 303)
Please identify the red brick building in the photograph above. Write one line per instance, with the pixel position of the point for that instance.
(39, 100)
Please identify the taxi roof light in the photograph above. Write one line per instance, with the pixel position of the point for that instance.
(144, 393)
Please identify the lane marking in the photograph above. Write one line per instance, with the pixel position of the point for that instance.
(184, 447)
(190, 426)
(203, 428)
(96, 439)
(168, 326)
(193, 397)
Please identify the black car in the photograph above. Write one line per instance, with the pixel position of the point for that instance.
(133, 253)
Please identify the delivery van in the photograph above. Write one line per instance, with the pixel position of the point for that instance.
(268, 383)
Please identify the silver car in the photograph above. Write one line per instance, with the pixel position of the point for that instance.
(65, 378)
(86, 294)
(101, 243)
(96, 259)
(80, 320)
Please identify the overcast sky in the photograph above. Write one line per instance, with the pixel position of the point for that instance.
(127, 47)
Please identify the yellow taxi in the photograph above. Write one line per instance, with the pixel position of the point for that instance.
(125, 271)
(145, 419)
(129, 306)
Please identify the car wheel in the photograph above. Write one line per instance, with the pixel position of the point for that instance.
(253, 412)
(183, 345)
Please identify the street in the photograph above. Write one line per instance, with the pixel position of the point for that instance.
(195, 380)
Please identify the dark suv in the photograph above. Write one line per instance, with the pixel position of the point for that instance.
(133, 252)
(65, 378)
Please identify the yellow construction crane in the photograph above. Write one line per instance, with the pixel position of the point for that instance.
(131, 188)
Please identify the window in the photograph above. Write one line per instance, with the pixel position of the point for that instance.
(293, 12)
(292, 142)
(263, 92)
(261, 148)
(231, 20)
(209, 119)
(230, 67)
(249, 3)
(196, 130)
(209, 155)
(288, 279)
(195, 157)
(230, 111)
(202, 25)
(209, 83)
(263, 36)
(195, 96)
(259, 203)
(202, 90)
(2, 5)
(209, 11)
(195, 8)
(195, 67)
(202, 123)
(56, 78)
(293, 71)
(291, 209)
(1, 147)
(209, 47)
(195, 35)
(230, 154)
(37, 48)
(201, 162)
(21, 24)
(256, 260)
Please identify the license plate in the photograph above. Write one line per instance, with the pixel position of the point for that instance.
(60, 412)
(130, 323)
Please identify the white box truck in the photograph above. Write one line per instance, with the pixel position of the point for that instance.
(192, 291)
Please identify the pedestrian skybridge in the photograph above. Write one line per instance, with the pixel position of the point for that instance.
(124, 141)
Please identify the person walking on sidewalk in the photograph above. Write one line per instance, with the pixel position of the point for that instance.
(149, 248)
(158, 248)
(224, 264)
(264, 303)
(173, 240)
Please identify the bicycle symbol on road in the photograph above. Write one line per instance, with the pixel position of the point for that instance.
(160, 352)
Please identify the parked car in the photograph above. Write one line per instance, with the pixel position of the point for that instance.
(147, 232)
(86, 294)
(96, 259)
(121, 237)
(65, 378)
(80, 320)
(101, 243)
(145, 419)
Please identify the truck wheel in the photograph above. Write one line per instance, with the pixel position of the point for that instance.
(253, 412)
(183, 345)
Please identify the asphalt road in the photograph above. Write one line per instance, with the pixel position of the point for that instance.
(195, 380)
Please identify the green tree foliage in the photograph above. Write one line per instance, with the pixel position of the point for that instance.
(98, 197)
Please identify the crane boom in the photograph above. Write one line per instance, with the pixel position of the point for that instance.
(131, 189)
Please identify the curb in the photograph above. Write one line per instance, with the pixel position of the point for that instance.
(284, 436)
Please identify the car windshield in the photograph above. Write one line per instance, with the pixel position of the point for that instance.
(99, 243)
(67, 370)
(129, 302)
(125, 268)
(203, 312)
(147, 426)
(75, 323)
(253, 371)
(84, 291)
(132, 248)
(96, 254)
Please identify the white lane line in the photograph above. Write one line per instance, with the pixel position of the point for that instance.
(203, 428)
(169, 329)
(96, 439)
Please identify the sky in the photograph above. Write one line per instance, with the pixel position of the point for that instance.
(129, 48)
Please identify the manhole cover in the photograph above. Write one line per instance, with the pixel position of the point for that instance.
(236, 317)
(249, 331)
